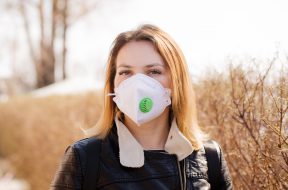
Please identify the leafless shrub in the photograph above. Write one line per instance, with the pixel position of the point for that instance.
(36, 131)
(248, 116)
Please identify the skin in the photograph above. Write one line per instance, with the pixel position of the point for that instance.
(142, 57)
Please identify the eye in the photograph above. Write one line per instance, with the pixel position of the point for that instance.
(154, 72)
(124, 72)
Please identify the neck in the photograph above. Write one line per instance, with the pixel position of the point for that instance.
(153, 134)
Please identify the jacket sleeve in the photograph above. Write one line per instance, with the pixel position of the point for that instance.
(68, 176)
(225, 177)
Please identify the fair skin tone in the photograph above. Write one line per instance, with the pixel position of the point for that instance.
(142, 57)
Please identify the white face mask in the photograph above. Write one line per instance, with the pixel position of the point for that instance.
(141, 98)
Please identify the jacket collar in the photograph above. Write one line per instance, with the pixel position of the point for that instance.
(132, 153)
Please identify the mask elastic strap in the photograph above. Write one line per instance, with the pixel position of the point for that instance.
(167, 96)
(168, 91)
(111, 94)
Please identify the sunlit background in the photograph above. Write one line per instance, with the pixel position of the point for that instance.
(207, 31)
(212, 35)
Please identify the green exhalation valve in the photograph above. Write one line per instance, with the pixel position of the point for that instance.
(146, 105)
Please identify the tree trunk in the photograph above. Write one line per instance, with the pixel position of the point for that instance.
(64, 38)
(43, 55)
(46, 65)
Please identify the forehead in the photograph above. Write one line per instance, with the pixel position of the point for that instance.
(138, 53)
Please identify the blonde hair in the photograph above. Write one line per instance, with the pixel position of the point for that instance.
(183, 97)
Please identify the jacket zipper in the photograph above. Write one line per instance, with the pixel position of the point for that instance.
(182, 180)
(184, 174)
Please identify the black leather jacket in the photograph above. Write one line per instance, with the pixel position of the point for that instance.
(161, 170)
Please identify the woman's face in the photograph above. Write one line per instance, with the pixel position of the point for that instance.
(141, 57)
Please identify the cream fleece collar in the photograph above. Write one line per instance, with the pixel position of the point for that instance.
(132, 153)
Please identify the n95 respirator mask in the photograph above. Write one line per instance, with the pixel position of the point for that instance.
(141, 98)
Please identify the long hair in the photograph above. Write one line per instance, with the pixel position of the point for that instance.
(183, 97)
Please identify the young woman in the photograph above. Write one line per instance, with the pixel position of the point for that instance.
(148, 135)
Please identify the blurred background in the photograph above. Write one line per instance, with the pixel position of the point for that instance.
(52, 62)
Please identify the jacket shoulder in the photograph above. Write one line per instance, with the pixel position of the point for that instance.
(217, 160)
(83, 144)
(212, 145)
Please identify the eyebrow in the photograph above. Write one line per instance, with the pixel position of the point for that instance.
(148, 66)
(154, 64)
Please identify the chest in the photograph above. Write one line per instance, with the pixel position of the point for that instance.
(160, 171)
